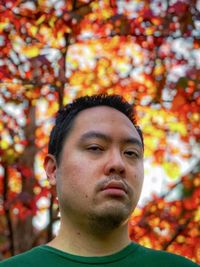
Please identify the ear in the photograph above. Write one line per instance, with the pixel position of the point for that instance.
(50, 167)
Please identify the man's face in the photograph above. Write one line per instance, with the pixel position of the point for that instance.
(100, 174)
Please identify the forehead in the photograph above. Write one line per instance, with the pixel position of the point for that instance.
(105, 119)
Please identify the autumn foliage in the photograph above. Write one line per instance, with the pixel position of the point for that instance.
(147, 51)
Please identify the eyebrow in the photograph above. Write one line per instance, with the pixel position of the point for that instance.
(107, 138)
(94, 134)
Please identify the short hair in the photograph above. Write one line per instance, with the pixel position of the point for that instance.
(66, 115)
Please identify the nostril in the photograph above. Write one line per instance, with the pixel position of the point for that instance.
(117, 169)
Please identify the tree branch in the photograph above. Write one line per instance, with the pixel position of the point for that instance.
(179, 230)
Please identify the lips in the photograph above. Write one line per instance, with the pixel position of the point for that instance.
(115, 185)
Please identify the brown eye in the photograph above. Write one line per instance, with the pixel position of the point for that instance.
(131, 154)
(95, 148)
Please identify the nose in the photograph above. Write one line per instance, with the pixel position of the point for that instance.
(114, 163)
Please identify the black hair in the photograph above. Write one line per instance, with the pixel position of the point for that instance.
(66, 115)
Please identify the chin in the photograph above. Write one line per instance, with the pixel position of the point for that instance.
(109, 218)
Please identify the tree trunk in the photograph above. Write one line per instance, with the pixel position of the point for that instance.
(23, 228)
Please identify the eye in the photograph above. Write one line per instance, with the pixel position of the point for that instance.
(131, 154)
(95, 148)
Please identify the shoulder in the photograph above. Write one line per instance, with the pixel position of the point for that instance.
(164, 259)
(23, 259)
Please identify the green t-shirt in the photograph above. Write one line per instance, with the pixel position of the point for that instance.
(133, 255)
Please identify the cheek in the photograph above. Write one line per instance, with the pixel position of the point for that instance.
(137, 179)
(140, 175)
(78, 176)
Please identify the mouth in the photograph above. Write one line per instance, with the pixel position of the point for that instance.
(116, 188)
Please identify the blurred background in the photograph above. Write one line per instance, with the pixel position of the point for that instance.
(147, 51)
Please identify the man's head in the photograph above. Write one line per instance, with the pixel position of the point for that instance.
(66, 116)
(96, 160)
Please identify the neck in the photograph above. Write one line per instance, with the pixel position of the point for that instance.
(80, 241)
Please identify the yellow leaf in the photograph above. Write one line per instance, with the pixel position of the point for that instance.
(33, 30)
(3, 25)
(59, 35)
(145, 241)
(15, 185)
(149, 31)
(40, 20)
(172, 169)
(159, 69)
(178, 127)
(195, 117)
(197, 215)
(181, 239)
(52, 22)
(32, 51)
(4, 144)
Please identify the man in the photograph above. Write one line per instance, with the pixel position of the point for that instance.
(96, 161)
